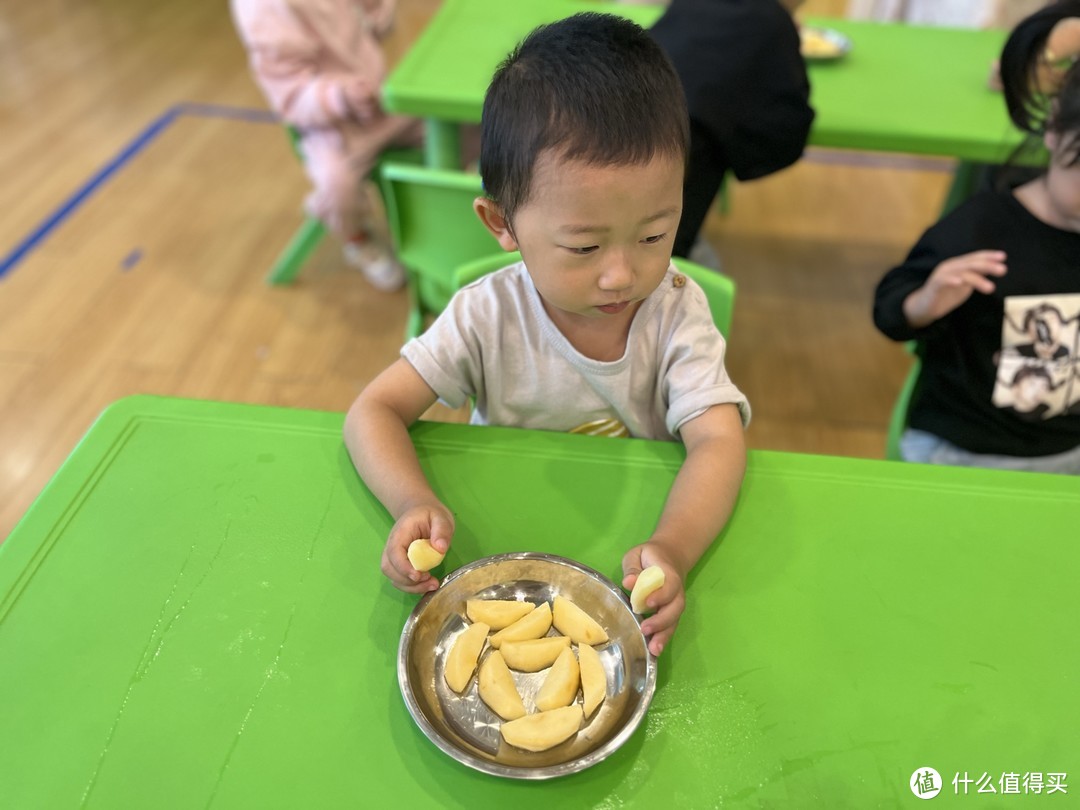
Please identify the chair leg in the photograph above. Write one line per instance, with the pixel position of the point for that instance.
(292, 258)
(414, 325)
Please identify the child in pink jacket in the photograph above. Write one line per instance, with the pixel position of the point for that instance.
(320, 66)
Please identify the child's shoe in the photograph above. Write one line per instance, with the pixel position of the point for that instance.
(375, 262)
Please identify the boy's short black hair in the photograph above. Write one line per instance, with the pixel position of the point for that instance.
(595, 88)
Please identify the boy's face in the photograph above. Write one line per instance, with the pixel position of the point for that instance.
(597, 239)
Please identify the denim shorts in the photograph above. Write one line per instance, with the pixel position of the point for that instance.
(926, 448)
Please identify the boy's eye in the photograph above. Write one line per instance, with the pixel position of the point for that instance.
(652, 240)
(583, 251)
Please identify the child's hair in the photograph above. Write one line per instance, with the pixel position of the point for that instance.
(1064, 117)
(595, 88)
(1031, 110)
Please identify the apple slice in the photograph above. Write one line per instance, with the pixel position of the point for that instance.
(423, 555)
(561, 684)
(461, 660)
(533, 655)
(593, 679)
(570, 620)
(497, 613)
(532, 625)
(543, 730)
(647, 581)
(497, 689)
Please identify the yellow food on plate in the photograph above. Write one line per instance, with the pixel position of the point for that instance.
(497, 689)
(532, 625)
(544, 730)
(533, 655)
(570, 620)
(816, 44)
(461, 660)
(648, 581)
(561, 684)
(423, 556)
(593, 679)
(497, 613)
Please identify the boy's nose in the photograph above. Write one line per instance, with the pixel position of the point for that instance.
(618, 273)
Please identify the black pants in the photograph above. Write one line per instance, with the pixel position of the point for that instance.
(705, 172)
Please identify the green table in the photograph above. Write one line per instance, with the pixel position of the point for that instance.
(192, 615)
(902, 88)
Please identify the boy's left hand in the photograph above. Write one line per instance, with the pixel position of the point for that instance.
(668, 601)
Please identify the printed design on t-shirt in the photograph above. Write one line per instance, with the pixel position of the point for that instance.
(1038, 372)
(603, 427)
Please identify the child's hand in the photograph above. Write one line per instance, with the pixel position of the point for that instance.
(361, 99)
(668, 601)
(432, 521)
(951, 284)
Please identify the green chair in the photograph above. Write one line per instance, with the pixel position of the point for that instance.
(899, 418)
(291, 260)
(435, 231)
(719, 289)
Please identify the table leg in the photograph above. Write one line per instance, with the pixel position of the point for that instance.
(442, 144)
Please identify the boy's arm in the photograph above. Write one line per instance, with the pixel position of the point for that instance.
(697, 508)
(377, 437)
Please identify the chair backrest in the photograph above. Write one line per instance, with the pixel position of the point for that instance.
(719, 289)
(434, 227)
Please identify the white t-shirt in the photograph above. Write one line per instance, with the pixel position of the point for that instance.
(496, 344)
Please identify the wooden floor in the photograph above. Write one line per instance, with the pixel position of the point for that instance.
(136, 232)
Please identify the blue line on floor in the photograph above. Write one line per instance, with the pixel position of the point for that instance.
(141, 141)
(131, 259)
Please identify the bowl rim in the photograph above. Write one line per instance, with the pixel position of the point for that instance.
(514, 772)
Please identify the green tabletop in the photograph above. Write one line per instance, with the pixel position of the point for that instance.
(901, 89)
(192, 615)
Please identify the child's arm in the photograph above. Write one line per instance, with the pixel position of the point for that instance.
(285, 62)
(697, 508)
(951, 284)
(377, 437)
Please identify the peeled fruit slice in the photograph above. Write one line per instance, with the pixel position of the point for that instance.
(497, 613)
(461, 660)
(543, 730)
(532, 625)
(593, 679)
(570, 620)
(497, 689)
(423, 555)
(561, 684)
(647, 581)
(534, 655)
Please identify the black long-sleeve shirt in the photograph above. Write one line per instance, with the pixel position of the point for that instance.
(1000, 373)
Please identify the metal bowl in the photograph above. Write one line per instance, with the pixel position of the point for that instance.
(463, 726)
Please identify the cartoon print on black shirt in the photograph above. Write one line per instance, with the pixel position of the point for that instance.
(1038, 376)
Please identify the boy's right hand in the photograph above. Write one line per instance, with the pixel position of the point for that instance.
(432, 521)
(951, 284)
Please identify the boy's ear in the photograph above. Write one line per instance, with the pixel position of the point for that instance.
(491, 215)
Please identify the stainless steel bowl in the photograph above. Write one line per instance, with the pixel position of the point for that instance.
(463, 726)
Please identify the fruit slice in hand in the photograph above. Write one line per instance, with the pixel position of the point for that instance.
(534, 655)
(497, 689)
(647, 581)
(532, 625)
(423, 555)
(543, 730)
(461, 660)
(570, 620)
(593, 679)
(497, 613)
(561, 685)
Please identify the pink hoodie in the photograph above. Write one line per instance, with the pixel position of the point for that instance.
(317, 61)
